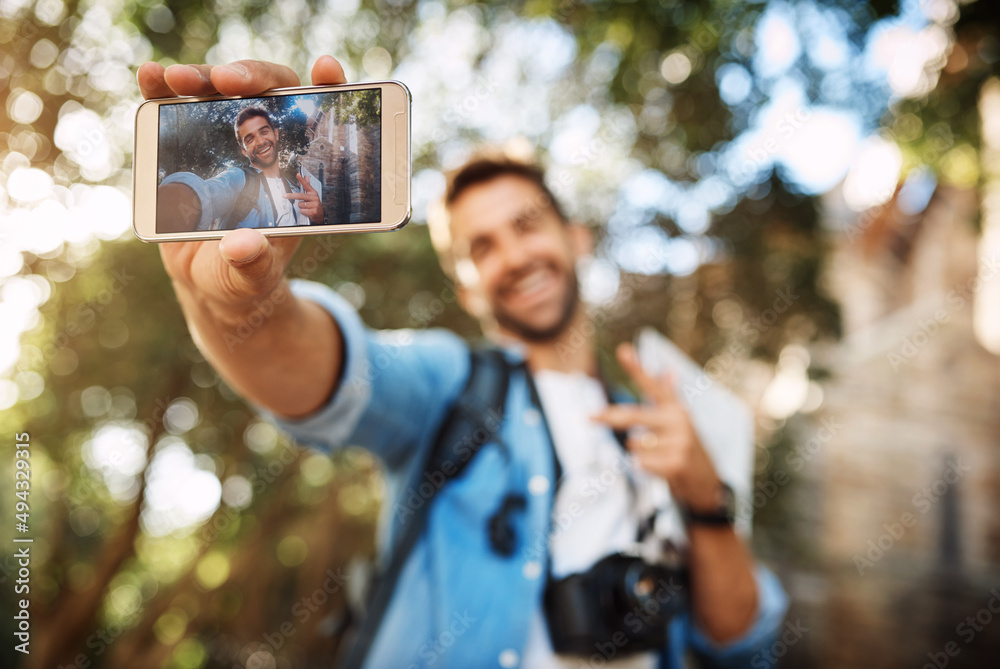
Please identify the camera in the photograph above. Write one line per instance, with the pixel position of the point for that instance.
(621, 600)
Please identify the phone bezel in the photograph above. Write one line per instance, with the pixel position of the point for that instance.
(395, 101)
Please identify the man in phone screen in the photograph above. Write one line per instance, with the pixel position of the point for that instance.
(551, 495)
(258, 196)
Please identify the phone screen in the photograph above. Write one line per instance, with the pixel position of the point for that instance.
(266, 162)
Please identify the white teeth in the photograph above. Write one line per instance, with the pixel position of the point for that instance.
(531, 282)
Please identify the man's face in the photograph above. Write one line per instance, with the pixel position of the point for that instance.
(259, 142)
(523, 253)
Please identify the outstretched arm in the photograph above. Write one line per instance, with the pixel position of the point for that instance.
(278, 351)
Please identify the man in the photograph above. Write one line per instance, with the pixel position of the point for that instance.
(256, 197)
(459, 602)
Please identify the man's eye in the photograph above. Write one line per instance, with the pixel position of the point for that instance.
(478, 249)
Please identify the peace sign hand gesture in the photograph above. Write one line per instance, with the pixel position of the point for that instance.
(309, 202)
(665, 442)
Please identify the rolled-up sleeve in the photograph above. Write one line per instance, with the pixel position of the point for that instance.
(395, 385)
(772, 603)
(334, 423)
(216, 195)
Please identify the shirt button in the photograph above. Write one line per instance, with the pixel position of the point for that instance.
(532, 417)
(538, 484)
(532, 569)
(508, 658)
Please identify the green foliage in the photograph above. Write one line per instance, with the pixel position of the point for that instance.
(114, 351)
(361, 107)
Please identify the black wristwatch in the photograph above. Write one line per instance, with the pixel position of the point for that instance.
(723, 515)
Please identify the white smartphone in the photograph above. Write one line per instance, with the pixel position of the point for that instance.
(293, 161)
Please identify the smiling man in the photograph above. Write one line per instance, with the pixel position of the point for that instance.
(258, 196)
(489, 553)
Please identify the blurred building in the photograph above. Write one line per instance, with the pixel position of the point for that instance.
(904, 488)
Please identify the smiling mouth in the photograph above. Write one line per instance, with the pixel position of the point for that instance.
(530, 284)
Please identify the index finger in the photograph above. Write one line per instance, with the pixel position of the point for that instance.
(305, 183)
(660, 391)
(250, 77)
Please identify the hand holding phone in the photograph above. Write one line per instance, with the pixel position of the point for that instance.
(207, 164)
(245, 266)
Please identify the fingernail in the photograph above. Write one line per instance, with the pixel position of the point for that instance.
(242, 261)
(239, 69)
(190, 68)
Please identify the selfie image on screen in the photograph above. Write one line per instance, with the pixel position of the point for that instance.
(312, 159)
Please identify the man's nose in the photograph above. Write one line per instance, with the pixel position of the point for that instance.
(514, 254)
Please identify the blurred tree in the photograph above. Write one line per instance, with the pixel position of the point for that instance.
(125, 580)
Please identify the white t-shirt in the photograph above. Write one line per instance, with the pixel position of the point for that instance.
(286, 214)
(595, 514)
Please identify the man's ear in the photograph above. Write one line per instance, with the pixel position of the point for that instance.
(582, 239)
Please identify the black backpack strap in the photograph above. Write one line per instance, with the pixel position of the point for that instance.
(247, 200)
(475, 419)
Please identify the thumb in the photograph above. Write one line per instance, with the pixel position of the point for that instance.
(255, 265)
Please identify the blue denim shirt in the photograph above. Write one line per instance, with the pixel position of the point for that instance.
(457, 602)
(218, 195)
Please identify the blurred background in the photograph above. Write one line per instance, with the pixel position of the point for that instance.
(805, 196)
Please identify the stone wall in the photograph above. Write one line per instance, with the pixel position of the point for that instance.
(907, 490)
(346, 159)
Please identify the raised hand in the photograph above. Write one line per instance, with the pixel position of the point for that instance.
(229, 275)
(309, 202)
(663, 438)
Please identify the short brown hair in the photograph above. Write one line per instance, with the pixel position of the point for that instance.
(479, 170)
(245, 115)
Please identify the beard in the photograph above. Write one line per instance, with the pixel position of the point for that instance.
(541, 334)
(255, 156)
